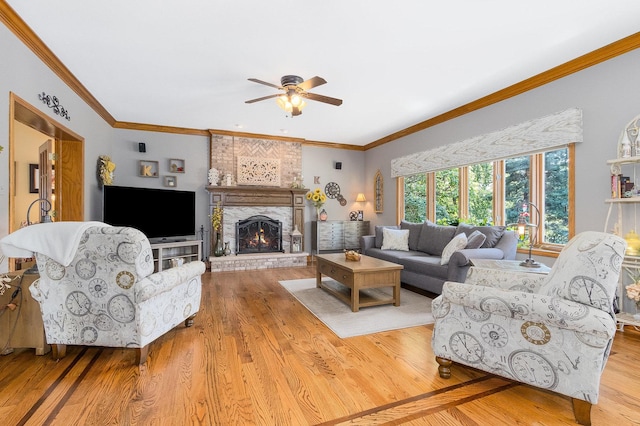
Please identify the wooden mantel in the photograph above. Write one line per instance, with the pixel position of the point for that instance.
(261, 196)
(256, 196)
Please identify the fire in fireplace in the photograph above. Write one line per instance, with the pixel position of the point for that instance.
(258, 234)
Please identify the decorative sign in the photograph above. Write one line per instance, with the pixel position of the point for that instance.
(54, 103)
(263, 171)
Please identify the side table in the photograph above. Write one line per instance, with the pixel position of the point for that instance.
(27, 318)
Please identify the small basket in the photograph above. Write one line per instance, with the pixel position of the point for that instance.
(352, 255)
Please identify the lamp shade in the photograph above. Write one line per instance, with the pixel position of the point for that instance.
(360, 198)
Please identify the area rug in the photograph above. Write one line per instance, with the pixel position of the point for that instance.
(414, 309)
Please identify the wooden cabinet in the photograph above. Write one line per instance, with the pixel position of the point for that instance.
(188, 251)
(337, 235)
(22, 327)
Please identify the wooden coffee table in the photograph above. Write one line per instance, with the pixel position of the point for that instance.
(368, 272)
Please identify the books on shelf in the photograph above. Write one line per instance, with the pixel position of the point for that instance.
(621, 186)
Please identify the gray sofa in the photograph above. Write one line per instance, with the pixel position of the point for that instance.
(422, 257)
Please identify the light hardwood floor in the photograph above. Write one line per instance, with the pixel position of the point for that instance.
(256, 356)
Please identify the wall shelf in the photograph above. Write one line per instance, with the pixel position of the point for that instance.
(148, 169)
(176, 165)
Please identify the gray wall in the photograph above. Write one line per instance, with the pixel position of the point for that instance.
(161, 147)
(25, 75)
(320, 162)
(608, 95)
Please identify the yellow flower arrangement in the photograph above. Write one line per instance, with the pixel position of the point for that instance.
(105, 169)
(317, 197)
(216, 217)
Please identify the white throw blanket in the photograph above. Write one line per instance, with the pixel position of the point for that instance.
(57, 240)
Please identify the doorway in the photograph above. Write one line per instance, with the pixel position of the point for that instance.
(66, 163)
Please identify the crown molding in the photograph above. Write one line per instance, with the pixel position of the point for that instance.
(158, 128)
(286, 139)
(18, 27)
(587, 60)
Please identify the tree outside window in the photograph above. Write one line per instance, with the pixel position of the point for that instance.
(447, 196)
(480, 194)
(415, 198)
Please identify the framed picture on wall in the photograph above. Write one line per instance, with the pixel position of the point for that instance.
(34, 178)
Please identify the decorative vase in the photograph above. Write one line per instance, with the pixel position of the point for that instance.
(323, 215)
(219, 248)
(227, 250)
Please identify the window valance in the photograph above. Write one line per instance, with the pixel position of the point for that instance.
(541, 134)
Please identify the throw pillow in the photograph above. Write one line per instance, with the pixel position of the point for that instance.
(493, 233)
(378, 231)
(475, 240)
(457, 243)
(395, 239)
(414, 233)
(434, 238)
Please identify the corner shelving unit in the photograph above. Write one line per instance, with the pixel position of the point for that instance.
(629, 263)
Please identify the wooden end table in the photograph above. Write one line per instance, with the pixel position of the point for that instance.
(368, 272)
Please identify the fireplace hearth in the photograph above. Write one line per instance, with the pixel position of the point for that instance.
(259, 234)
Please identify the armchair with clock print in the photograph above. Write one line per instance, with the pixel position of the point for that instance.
(552, 332)
(97, 286)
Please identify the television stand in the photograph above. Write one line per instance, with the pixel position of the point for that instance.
(187, 250)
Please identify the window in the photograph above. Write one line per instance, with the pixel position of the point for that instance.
(492, 193)
(480, 190)
(556, 197)
(447, 196)
(517, 172)
(415, 198)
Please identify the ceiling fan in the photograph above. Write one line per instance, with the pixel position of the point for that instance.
(295, 90)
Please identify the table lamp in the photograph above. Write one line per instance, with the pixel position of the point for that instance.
(360, 199)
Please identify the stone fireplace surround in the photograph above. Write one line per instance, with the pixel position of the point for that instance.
(240, 202)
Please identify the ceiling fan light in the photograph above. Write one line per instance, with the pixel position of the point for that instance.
(296, 100)
(283, 102)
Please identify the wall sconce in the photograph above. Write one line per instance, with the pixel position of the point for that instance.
(44, 210)
(360, 199)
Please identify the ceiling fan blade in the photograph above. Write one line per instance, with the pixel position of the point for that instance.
(321, 98)
(262, 98)
(255, 80)
(312, 82)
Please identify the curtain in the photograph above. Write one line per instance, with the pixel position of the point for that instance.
(541, 134)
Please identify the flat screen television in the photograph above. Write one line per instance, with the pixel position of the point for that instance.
(161, 214)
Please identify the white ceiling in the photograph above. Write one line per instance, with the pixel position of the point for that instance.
(185, 63)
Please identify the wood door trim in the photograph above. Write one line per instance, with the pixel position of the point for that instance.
(27, 114)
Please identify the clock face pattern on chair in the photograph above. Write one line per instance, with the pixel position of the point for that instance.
(109, 296)
(550, 331)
